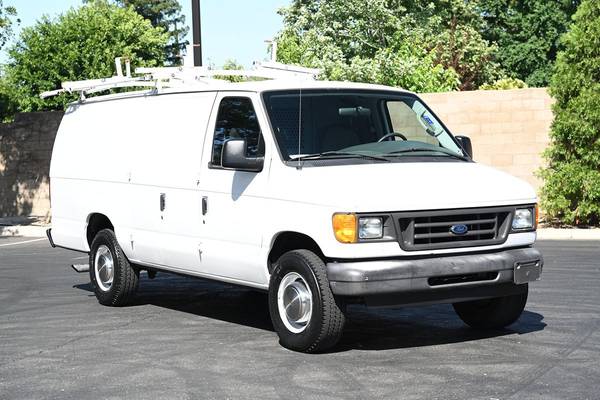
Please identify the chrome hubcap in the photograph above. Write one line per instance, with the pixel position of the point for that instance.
(104, 268)
(294, 301)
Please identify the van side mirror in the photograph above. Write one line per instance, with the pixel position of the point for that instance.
(465, 143)
(234, 157)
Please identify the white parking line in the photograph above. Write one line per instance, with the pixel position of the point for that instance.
(18, 243)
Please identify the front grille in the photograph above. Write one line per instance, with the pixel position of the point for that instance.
(430, 230)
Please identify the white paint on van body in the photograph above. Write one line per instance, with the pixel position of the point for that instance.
(116, 155)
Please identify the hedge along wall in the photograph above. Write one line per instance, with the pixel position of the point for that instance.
(509, 128)
(25, 151)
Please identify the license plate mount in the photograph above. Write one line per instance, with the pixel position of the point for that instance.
(527, 272)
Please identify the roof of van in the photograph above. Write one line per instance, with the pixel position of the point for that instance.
(283, 84)
(251, 86)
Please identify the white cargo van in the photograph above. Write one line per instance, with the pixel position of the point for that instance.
(321, 193)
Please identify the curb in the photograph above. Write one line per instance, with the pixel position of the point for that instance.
(568, 234)
(33, 231)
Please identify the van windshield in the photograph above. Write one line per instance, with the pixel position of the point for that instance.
(360, 124)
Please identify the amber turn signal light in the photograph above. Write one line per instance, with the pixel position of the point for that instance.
(344, 228)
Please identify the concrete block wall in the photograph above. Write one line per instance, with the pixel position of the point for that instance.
(25, 152)
(509, 128)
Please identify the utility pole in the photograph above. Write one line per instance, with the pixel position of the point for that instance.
(197, 33)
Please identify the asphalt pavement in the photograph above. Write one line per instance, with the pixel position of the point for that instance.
(187, 338)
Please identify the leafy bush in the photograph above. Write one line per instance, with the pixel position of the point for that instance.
(571, 189)
(505, 84)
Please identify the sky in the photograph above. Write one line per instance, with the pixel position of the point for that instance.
(231, 29)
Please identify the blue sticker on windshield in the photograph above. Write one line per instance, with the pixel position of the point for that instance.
(427, 120)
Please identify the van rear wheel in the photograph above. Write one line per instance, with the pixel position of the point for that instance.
(493, 313)
(304, 312)
(114, 280)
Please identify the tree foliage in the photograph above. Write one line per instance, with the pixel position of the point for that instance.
(8, 107)
(422, 45)
(571, 189)
(167, 15)
(231, 65)
(8, 16)
(80, 44)
(504, 84)
(453, 29)
(528, 35)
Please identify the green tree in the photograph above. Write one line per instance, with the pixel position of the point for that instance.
(165, 14)
(80, 44)
(442, 34)
(452, 28)
(8, 106)
(231, 65)
(8, 16)
(505, 84)
(528, 35)
(571, 189)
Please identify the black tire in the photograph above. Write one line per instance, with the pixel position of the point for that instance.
(125, 278)
(324, 328)
(493, 313)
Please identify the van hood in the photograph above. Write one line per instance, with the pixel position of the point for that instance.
(385, 187)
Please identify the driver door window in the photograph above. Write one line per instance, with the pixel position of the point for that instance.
(237, 119)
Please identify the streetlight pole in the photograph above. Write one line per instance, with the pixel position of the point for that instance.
(197, 33)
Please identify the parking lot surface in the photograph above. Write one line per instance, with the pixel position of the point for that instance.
(193, 339)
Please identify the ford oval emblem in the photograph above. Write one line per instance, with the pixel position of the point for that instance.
(459, 229)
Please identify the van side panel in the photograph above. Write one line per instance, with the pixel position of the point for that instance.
(89, 169)
(109, 155)
(167, 163)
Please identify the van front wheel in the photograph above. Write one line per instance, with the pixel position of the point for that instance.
(304, 312)
(114, 280)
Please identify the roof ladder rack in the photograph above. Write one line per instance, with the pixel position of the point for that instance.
(158, 78)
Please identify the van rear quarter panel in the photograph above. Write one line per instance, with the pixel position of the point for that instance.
(108, 151)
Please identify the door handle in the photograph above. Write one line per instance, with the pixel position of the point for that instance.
(204, 205)
(163, 200)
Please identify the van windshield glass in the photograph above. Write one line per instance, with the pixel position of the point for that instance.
(338, 124)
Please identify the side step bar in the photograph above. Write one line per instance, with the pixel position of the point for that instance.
(81, 268)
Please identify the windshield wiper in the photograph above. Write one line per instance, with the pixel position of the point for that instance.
(338, 155)
(418, 150)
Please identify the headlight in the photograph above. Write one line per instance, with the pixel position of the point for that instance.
(350, 228)
(524, 219)
(370, 228)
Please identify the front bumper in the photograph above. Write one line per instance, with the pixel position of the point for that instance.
(435, 279)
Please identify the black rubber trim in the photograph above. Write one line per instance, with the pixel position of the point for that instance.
(49, 234)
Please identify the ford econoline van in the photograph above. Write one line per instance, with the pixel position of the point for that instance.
(322, 193)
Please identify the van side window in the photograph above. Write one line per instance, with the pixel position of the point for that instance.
(237, 120)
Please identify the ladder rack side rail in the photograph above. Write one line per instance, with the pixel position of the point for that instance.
(76, 86)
